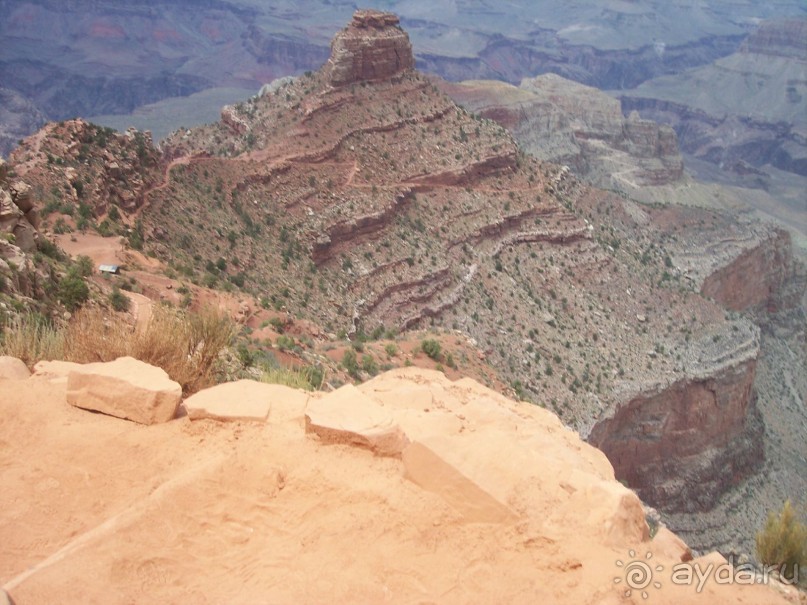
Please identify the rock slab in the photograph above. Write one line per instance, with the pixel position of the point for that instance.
(240, 400)
(348, 416)
(125, 388)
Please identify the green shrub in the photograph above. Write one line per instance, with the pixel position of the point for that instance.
(432, 348)
(391, 350)
(782, 543)
(119, 301)
(369, 365)
(84, 265)
(350, 363)
(72, 292)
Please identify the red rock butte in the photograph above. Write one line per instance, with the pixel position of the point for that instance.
(371, 47)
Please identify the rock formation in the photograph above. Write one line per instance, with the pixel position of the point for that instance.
(125, 388)
(493, 501)
(372, 47)
(561, 121)
(385, 205)
(750, 105)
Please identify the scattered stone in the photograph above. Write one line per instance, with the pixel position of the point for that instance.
(125, 388)
(348, 416)
(12, 368)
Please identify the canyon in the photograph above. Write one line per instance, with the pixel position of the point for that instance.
(359, 197)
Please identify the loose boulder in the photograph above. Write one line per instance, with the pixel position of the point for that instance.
(125, 388)
(350, 417)
(12, 368)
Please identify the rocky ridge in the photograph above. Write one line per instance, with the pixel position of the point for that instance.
(560, 121)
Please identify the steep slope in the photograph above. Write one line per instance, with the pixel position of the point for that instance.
(385, 204)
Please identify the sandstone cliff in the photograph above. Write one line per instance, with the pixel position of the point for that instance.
(372, 47)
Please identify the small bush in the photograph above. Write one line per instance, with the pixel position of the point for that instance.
(119, 301)
(350, 363)
(432, 348)
(84, 265)
(782, 543)
(72, 292)
(391, 350)
(369, 365)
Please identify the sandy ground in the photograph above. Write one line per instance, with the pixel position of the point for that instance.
(101, 510)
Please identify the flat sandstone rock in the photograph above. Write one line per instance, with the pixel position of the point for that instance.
(241, 400)
(348, 416)
(125, 388)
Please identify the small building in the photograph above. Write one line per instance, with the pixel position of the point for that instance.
(110, 269)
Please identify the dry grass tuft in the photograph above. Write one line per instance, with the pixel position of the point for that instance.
(31, 339)
(185, 345)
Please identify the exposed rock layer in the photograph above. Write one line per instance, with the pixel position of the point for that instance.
(372, 47)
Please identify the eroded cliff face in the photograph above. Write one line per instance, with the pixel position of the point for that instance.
(372, 47)
(683, 446)
(761, 278)
(561, 121)
(385, 205)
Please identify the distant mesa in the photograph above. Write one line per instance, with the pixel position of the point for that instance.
(371, 47)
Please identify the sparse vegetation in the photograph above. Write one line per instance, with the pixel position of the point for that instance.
(432, 348)
(185, 345)
(782, 543)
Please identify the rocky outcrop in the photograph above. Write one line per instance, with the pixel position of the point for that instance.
(124, 388)
(763, 277)
(89, 165)
(683, 445)
(495, 502)
(19, 236)
(372, 47)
